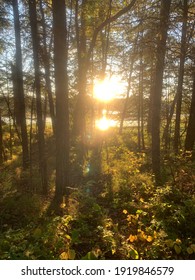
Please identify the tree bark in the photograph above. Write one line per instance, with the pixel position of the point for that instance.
(46, 62)
(61, 88)
(180, 77)
(19, 88)
(1, 140)
(41, 140)
(190, 136)
(157, 88)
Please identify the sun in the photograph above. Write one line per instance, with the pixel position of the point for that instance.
(108, 89)
(103, 124)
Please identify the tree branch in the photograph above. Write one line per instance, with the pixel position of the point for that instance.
(106, 22)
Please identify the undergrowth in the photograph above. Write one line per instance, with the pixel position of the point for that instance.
(114, 212)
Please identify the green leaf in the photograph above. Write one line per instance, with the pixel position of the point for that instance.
(37, 233)
(190, 250)
(75, 236)
(72, 254)
(89, 256)
(192, 246)
(177, 249)
(134, 254)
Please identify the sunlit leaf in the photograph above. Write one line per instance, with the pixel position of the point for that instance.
(132, 238)
(149, 238)
(134, 254)
(67, 236)
(64, 256)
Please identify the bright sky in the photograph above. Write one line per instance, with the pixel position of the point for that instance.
(109, 88)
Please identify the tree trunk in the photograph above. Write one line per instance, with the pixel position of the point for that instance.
(80, 108)
(166, 136)
(141, 141)
(1, 140)
(180, 77)
(41, 140)
(190, 136)
(46, 62)
(19, 89)
(61, 87)
(157, 88)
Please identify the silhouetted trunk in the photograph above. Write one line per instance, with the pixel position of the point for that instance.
(41, 140)
(123, 115)
(180, 77)
(1, 140)
(141, 142)
(166, 136)
(157, 88)
(190, 136)
(46, 62)
(61, 88)
(80, 108)
(18, 87)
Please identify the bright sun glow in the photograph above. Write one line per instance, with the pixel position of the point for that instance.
(103, 123)
(108, 89)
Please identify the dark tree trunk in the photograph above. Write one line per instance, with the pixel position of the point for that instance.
(141, 141)
(124, 111)
(61, 87)
(166, 136)
(80, 108)
(1, 140)
(190, 136)
(46, 62)
(157, 88)
(41, 140)
(19, 89)
(180, 77)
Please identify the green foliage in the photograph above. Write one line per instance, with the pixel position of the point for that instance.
(48, 239)
(117, 213)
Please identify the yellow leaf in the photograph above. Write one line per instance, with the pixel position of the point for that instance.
(142, 236)
(124, 211)
(64, 256)
(62, 205)
(67, 236)
(132, 238)
(177, 249)
(149, 238)
(178, 241)
(155, 234)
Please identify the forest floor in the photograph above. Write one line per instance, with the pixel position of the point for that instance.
(114, 211)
